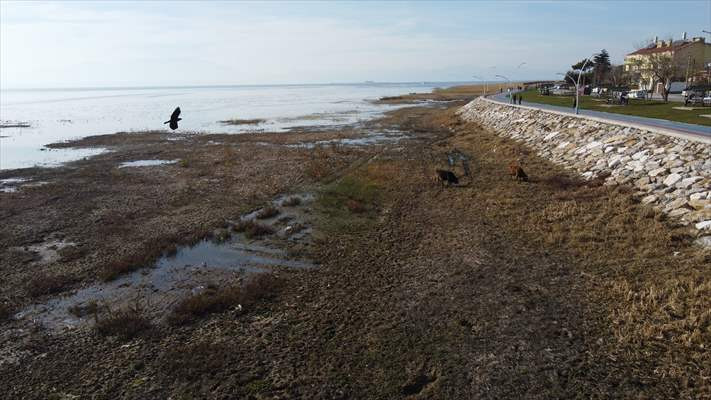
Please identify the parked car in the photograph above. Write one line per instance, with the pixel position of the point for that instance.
(545, 90)
(695, 91)
(619, 96)
(598, 91)
(637, 94)
(561, 90)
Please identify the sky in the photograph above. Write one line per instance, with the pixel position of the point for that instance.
(121, 43)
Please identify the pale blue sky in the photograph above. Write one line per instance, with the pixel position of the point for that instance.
(79, 44)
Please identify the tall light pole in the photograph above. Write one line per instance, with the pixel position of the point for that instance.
(507, 80)
(577, 84)
(486, 84)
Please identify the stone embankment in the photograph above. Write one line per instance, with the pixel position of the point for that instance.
(672, 174)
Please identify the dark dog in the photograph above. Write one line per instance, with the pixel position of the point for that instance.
(447, 176)
(517, 172)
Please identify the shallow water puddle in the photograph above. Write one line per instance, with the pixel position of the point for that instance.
(146, 163)
(190, 270)
(10, 185)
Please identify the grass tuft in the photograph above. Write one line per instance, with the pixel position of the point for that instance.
(291, 201)
(214, 300)
(253, 121)
(82, 310)
(44, 284)
(349, 204)
(267, 212)
(126, 323)
(253, 229)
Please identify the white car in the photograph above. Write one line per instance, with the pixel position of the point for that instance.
(637, 94)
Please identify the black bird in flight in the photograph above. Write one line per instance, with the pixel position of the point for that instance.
(174, 119)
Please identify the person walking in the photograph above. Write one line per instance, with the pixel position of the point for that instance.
(519, 99)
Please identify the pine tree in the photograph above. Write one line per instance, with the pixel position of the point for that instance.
(601, 66)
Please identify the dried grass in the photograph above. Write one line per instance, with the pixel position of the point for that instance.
(214, 300)
(319, 165)
(268, 212)
(253, 229)
(291, 201)
(44, 284)
(125, 323)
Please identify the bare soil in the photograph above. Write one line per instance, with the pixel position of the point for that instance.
(490, 289)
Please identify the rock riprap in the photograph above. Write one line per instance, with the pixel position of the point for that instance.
(671, 174)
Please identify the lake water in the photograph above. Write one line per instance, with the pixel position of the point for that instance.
(61, 114)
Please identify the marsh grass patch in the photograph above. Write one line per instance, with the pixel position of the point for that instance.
(125, 323)
(215, 300)
(236, 121)
(252, 229)
(348, 204)
(268, 212)
(291, 201)
(45, 284)
(82, 310)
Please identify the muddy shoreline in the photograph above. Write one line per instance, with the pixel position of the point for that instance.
(492, 288)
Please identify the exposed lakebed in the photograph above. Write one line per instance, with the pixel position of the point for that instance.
(223, 259)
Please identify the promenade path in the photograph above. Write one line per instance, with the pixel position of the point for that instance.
(679, 129)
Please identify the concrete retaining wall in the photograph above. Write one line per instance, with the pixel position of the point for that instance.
(670, 173)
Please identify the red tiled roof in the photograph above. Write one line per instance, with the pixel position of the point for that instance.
(652, 50)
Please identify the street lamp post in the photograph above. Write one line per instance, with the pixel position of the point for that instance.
(508, 81)
(486, 84)
(577, 85)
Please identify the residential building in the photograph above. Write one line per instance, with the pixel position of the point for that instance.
(691, 56)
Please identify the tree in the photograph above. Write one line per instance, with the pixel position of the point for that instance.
(617, 75)
(601, 66)
(661, 68)
(581, 69)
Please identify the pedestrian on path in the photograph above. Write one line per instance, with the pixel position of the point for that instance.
(519, 99)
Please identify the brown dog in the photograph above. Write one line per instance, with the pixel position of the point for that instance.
(517, 172)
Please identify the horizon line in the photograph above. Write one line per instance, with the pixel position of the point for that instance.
(425, 82)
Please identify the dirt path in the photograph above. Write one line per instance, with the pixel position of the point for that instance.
(491, 290)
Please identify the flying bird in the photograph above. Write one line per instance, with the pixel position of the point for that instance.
(174, 119)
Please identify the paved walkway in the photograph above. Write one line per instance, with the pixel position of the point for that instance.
(671, 127)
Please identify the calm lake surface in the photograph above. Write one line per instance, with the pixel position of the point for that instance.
(62, 114)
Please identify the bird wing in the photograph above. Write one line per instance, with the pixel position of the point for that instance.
(175, 114)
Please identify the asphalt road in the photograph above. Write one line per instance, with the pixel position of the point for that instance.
(680, 128)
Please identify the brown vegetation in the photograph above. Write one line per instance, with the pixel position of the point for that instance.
(267, 212)
(125, 323)
(215, 300)
(291, 201)
(243, 121)
(44, 284)
(82, 310)
(253, 229)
